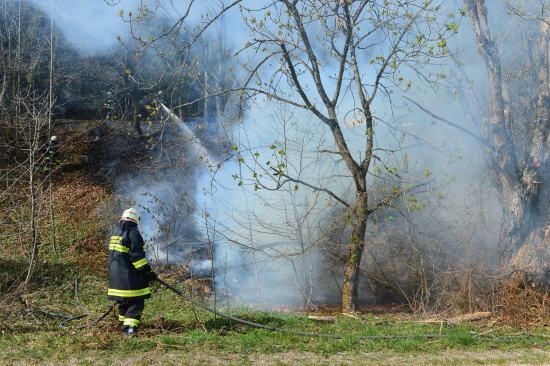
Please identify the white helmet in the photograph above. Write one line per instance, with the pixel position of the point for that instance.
(130, 215)
(53, 139)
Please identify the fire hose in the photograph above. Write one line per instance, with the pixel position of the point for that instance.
(71, 318)
(296, 332)
(280, 330)
(325, 335)
(239, 320)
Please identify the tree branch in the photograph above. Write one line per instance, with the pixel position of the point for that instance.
(329, 192)
(480, 139)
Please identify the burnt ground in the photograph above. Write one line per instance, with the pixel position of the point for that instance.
(112, 157)
(102, 150)
(106, 150)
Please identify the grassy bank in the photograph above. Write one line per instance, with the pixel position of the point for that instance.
(175, 332)
(50, 319)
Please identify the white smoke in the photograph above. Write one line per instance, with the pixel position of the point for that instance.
(89, 26)
(265, 264)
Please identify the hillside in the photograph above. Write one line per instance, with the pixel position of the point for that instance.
(85, 201)
(70, 283)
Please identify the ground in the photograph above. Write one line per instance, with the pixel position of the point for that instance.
(159, 356)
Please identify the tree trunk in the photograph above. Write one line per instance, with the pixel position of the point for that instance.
(137, 126)
(350, 290)
(519, 180)
(516, 223)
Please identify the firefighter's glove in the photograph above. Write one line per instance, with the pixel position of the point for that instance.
(151, 276)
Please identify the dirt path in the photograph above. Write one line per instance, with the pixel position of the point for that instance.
(217, 358)
(451, 357)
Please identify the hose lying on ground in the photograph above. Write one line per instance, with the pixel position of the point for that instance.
(297, 332)
(281, 330)
(71, 318)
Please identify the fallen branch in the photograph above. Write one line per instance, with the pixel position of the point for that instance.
(470, 317)
(458, 319)
(328, 319)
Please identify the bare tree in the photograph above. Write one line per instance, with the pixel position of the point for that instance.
(334, 60)
(25, 120)
(24, 176)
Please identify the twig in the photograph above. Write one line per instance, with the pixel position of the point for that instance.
(329, 319)
(76, 294)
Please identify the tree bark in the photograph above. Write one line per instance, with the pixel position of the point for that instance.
(520, 181)
(350, 289)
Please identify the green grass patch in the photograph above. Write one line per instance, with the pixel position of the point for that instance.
(171, 324)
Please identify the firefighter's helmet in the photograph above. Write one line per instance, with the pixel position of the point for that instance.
(53, 139)
(131, 215)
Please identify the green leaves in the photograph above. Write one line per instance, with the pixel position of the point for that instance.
(453, 26)
(414, 203)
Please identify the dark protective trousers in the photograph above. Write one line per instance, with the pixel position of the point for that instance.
(129, 315)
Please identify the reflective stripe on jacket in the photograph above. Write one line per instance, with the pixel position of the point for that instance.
(51, 153)
(110, 104)
(127, 264)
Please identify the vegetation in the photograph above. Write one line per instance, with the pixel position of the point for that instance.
(71, 281)
(310, 64)
(398, 38)
(326, 220)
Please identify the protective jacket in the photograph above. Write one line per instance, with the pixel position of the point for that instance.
(110, 103)
(51, 156)
(127, 264)
(51, 152)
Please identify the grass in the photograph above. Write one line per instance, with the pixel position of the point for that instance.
(172, 327)
(45, 342)
(171, 334)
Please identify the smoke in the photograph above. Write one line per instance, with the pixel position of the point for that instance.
(251, 266)
(267, 242)
(92, 27)
(89, 26)
(163, 189)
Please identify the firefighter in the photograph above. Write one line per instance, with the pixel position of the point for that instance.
(129, 272)
(110, 105)
(51, 155)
